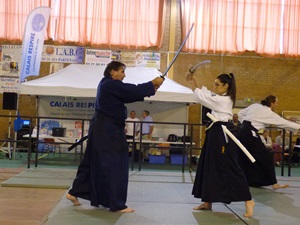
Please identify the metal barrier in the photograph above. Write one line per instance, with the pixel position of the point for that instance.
(188, 129)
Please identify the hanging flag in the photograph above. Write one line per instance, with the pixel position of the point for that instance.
(33, 41)
(18, 123)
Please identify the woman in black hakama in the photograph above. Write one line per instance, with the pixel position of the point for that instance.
(262, 171)
(254, 118)
(219, 177)
(102, 176)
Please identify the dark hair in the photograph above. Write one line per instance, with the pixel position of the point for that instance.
(113, 65)
(228, 78)
(265, 130)
(147, 112)
(268, 100)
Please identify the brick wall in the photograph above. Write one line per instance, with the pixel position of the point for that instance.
(256, 77)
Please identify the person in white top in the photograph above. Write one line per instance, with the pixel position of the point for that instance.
(279, 140)
(129, 125)
(278, 145)
(266, 139)
(219, 177)
(255, 117)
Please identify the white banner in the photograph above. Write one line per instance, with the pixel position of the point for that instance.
(63, 54)
(66, 107)
(33, 41)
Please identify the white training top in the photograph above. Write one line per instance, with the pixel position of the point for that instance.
(220, 105)
(262, 116)
(129, 126)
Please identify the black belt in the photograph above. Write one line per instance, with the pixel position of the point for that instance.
(248, 125)
(102, 116)
(145, 133)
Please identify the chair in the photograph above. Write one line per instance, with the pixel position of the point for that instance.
(50, 146)
(277, 149)
(296, 152)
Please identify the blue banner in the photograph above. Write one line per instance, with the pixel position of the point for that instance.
(33, 41)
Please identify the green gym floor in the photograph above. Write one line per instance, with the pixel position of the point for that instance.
(159, 193)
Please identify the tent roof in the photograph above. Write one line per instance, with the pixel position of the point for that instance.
(78, 80)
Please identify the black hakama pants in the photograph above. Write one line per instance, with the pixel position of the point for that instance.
(262, 172)
(219, 177)
(102, 176)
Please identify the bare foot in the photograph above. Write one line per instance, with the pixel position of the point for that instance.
(249, 208)
(278, 186)
(126, 210)
(73, 199)
(203, 206)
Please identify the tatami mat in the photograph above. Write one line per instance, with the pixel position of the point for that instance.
(42, 178)
(164, 198)
(161, 198)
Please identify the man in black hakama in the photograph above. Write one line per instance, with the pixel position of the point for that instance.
(102, 176)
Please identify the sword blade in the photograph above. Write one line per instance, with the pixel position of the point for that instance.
(193, 69)
(181, 46)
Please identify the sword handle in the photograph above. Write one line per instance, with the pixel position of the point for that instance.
(192, 70)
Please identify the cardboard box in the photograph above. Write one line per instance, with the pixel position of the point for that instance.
(177, 159)
(157, 159)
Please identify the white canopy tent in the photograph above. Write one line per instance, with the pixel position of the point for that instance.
(169, 104)
(78, 80)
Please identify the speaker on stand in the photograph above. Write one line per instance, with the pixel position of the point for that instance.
(10, 100)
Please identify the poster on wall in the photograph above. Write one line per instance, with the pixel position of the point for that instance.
(148, 59)
(10, 60)
(116, 55)
(128, 58)
(9, 84)
(97, 57)
(62, 54)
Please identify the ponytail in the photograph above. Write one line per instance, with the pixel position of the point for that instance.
(268, 100)
(228, 78)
